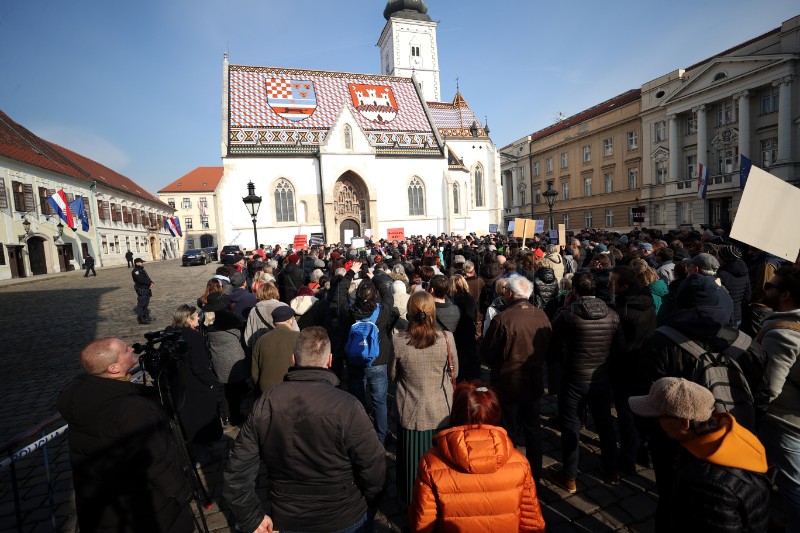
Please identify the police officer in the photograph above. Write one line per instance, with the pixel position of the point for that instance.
(142, 285)
(129, 257)
(88, 263)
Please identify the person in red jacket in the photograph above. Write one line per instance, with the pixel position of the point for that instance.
(473, 469)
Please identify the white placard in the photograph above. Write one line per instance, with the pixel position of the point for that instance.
(768, 216)
(358, 242)
(348, 235)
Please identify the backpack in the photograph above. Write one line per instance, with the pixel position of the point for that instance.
(362, 346)
(721, 374)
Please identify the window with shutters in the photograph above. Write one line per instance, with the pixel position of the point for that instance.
(86, 207)
(44, 206)
(3, 194)
(114, 213)
(23, 197)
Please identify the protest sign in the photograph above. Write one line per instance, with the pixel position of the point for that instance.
(300, 242)
(395, 234)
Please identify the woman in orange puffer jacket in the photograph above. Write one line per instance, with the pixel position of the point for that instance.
(473, 478)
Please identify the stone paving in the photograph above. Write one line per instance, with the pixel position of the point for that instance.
(47, 319)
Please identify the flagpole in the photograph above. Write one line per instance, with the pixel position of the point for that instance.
(93, 195)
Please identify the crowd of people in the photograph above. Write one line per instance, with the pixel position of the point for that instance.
(691, 337)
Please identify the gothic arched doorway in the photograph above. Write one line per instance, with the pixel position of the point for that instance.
(36, 256)
(350, 205)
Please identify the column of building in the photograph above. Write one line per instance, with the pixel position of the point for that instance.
(702, 137)
(674, 149)
(744, 123)
(784, 119)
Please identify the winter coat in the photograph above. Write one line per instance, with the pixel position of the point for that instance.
(322, 456)
(197, 392)
(736, 280)
(637, 321)
(447, 314)
(387, 316)
(604, 292)
(242, 301)
(707, 326)
(126, 469)
(290, 279)
(545, 286)
(465, 337)
(272, 356)
(783, 347)
(255, 327)
(225, 347)
(582, 336)
(658, 291)
(556, 262)
(515, 347)
(666, 271)
(424, 386)
(720, 484)
(476, 286)
(473, 479)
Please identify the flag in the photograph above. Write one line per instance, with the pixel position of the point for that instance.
(79, 210)
(202, 209)
(173, 225)
(702, 181)
(58, 202)
(744, 170)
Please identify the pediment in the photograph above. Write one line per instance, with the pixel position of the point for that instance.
(335, 142)
(723, 70)
(725, 137)
(660, 154)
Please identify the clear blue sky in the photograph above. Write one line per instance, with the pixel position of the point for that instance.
(137, 85)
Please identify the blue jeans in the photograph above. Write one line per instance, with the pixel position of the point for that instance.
(365, 524)
(783, 452)
(377, 379)
(597, 397)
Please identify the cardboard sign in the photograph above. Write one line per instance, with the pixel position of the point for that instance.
(524, 228)
(317, 239)
(553, 235)
(358, 242)
(562, 235)
(396, 234)
(300, 242)
(767, 217)
(492, 228)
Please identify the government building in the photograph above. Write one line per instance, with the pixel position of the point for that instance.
(350, 155)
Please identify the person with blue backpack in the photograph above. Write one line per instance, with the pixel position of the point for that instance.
(368, 349)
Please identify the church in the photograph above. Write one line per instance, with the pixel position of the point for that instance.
(350, 155)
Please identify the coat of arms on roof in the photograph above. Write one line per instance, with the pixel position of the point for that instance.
(374, 102)
(294, 100)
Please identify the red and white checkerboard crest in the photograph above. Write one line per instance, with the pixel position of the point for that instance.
(294, 100)
(374, 102)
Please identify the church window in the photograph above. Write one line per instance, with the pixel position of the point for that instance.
(284, 202)
(348, 137)
(416, 198)
(414, 50)
(478, 179)
(456, 198)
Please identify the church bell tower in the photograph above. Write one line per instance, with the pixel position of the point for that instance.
(408, 45)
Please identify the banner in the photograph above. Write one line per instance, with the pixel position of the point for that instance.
(396, 234)
(317, 239)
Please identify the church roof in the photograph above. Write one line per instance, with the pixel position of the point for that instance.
(455, 119)
(19, 144)
(291, 111)
(201, 179)
(406, 9)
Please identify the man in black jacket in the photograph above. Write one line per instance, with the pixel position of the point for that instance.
(142, 284)
(323, 459)
(125, 464)
(290, 278)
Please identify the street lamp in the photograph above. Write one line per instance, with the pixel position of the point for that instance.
(26, 225)
(60, 238)
(550, 197)
(252, 202)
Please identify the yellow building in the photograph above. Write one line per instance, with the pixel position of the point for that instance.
(194, 198)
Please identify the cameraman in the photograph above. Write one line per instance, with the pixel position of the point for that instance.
(125, 464)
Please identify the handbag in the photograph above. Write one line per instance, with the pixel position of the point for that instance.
(449, 367)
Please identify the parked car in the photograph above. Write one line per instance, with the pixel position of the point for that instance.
(230, 254)
(196, 256)
(213, 254)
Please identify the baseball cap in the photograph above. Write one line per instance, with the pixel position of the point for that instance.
(138, 260)
(675, 398)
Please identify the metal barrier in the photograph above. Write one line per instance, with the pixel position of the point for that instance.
(10, 456)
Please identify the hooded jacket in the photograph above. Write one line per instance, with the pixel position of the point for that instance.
(720, 484)
(545, 286)
(473, 479)
(582, 336)
(783, 346)
(556, 262)
(637, 321)
(736, 279)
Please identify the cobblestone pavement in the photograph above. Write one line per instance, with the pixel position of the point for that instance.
(46, 320)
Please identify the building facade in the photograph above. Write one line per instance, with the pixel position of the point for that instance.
(194, 199)
(33, 239)
(355, 154)
(593, 160)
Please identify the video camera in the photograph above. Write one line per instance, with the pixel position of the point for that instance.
(162, 347)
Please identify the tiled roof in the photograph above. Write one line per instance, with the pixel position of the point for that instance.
(104, 175)
(201, 179)
(277, 110)
(599, 109)
(19, 144)
(455, 119)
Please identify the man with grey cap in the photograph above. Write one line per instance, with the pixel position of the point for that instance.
(242, 300)
(706, 266)
(719, 483)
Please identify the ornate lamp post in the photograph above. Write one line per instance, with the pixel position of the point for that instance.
(550, 196)
(252, 202)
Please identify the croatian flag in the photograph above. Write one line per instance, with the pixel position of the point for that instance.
(79, 210)
(58, 202)
(744, 170)
(173, 225)
(702, 181)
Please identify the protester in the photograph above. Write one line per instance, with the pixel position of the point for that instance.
(473, 478)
